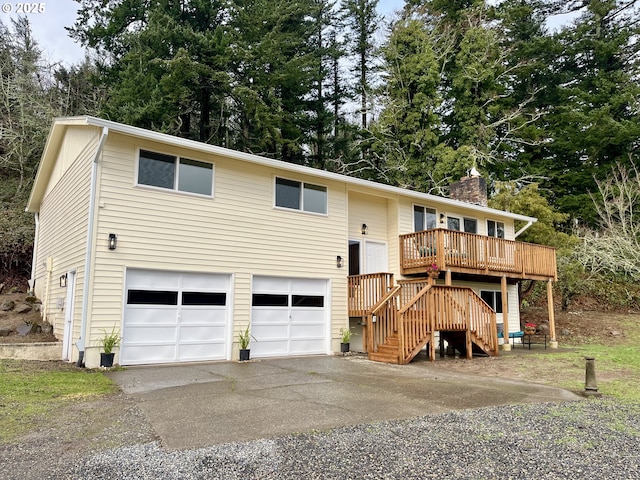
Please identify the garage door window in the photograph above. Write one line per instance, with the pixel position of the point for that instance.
(152, 297)
(267, 300)
(307, 301)
(204, 298)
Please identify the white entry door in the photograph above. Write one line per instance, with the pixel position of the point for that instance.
(289, 316)
(376, 259)
(174, 317)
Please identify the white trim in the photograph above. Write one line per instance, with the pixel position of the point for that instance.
(34, 255)
(251, 158)
(90, 241)
(69, 307)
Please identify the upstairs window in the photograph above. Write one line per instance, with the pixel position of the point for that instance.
(495, 229)
(301, 196)
(175, 173)
(423, 218)
(470, 225)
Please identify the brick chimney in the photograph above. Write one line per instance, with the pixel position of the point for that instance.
(471, 189)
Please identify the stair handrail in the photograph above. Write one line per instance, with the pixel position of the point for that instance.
(374, 311)
(401, 316)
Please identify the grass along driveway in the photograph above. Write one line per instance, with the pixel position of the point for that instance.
(30, 391)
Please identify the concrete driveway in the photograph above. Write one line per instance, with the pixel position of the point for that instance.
(197, 405)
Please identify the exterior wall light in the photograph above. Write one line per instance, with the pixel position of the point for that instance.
(63, 281)
(364, 229)
(339, 262)
(442, 218)
(113, 240)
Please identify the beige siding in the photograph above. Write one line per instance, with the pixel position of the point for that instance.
(63, 227)
(380, 214)
(238, 231)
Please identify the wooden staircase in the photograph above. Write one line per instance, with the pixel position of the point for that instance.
(408, 316)
(387, 352)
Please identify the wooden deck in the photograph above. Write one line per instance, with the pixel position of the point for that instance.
(472, 254)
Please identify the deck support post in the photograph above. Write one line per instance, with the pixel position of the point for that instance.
(447, 278)
(552, 321)
(506, 346)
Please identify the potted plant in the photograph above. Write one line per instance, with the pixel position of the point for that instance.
(108, 342)
(530, 328)
(346, 337)
(244, 338)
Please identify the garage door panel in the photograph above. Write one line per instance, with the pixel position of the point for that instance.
(209, 317)
(308, 286)
(270, 348)
(202, 333)
(200, 351)
(151, 279)
(307, 316)
(307, 347)
(151, 354)
(151, 316)
(204, 282)
(141, 334)
(269, 332)
(264, 316)
(307, 331)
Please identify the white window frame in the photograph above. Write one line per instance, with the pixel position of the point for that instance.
(301, 199)
(176, 180)
(424, 215)
(504, 230)
(496, 305)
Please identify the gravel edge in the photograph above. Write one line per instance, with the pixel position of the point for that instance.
(597, 438)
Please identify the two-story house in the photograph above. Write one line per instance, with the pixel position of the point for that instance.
(179, 245)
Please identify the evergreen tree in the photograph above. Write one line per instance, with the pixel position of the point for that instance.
(594, 120)
(362, 19)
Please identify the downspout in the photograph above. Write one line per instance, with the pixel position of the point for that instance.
(521, 231)
(34, 256)
(89, 248)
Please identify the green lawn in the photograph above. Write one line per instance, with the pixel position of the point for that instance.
(617, 366)
(30, 390)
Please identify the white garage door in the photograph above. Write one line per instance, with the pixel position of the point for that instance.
(289, 317)
(174, 317)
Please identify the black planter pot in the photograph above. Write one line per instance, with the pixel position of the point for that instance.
(344, 347)
(106, 359)
(244, 354)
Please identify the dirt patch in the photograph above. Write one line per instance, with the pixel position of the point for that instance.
(573, 329)
(580, 327)
(13, 321)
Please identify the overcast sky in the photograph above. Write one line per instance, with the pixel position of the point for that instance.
(48, 26)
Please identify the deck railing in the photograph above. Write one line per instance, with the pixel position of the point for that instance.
(475, 254)
(366, 290)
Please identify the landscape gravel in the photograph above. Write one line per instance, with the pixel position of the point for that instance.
(597, 438)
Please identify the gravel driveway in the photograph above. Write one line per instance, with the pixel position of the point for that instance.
(572, 440)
